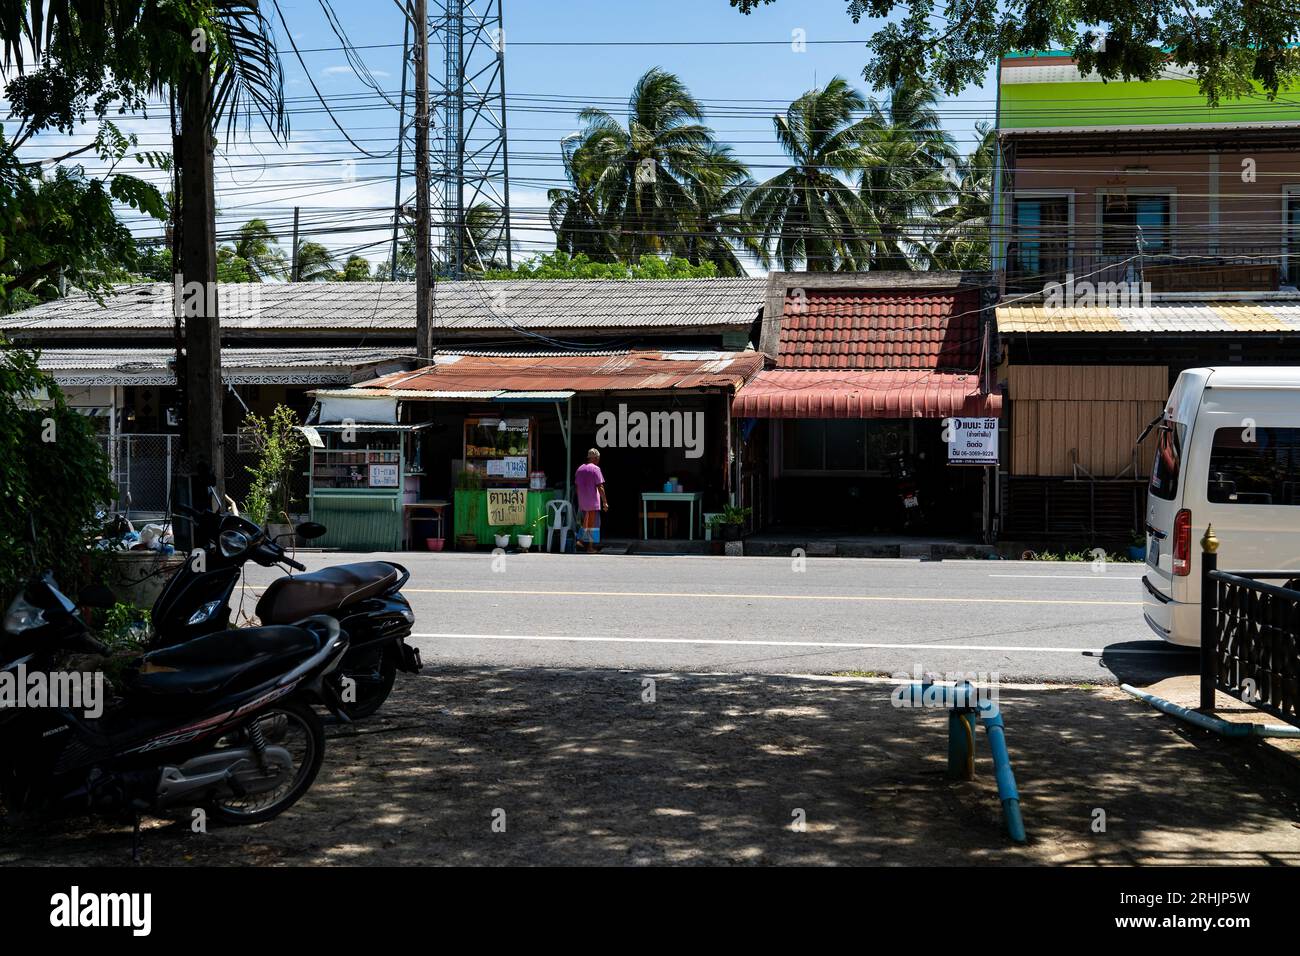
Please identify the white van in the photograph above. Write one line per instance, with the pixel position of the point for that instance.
(1227, 454)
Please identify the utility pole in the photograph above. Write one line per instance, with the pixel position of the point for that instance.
(293, 262)
(423, 260)
(195, 292)
(401, 143)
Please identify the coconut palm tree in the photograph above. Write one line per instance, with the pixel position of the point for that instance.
(715, 230)
(904, 180)
(315, 263)
(807, 215)
(641, 172)
(485, 237)
(576, 213)
(254, 245)
(962, 240)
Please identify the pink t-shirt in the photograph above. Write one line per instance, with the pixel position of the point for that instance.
(587, 480)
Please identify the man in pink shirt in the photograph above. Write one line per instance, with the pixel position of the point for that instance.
(591, 502)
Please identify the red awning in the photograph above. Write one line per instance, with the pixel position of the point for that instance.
(845, 393)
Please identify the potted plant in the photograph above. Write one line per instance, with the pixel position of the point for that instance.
(279, 446)
(1137, 551)
(729, 523)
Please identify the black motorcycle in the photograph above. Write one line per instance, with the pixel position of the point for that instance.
(364, 597)
(223, 722)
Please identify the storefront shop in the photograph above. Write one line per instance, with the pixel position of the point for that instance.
(502, 434)
(878, 418)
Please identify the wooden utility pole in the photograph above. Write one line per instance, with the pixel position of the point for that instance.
(423, 260)
(293, 267)
(195, 290)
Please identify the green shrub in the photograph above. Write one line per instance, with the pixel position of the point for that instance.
(279, 446)
(54, 476)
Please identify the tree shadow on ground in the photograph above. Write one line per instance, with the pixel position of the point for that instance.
(583, 769)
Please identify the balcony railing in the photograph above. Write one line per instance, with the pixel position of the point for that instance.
(1034, 267)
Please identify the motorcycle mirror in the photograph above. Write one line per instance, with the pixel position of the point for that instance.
(96, 595)
(309, 530)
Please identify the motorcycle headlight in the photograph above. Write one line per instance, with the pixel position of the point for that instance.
(23, 616)
(203, 613)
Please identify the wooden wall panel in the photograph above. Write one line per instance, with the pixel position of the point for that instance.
(1097, 410)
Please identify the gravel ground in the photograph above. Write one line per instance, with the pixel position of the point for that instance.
(582, 770)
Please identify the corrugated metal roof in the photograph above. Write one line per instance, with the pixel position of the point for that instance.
(629, 371)
(1159, 317)
(856, 394)
(390, 306)
(880, 329)
(129, 365)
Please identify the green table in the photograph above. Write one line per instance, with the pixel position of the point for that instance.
(470, 515)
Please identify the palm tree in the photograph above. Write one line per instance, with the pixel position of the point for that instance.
(963, 237)
(715, 229)
(576, 213)
(904, 178)
(315, 263)
(807, 214)
(255, 246)
(485, 237)
(642, 173)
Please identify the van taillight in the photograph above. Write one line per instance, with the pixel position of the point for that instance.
(1183, 543)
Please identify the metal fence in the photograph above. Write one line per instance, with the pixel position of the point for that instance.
(144, 469)
(1250, 637)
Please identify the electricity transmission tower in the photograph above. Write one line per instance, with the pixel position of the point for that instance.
(469, 166)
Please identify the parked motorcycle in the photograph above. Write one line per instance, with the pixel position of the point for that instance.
(909, 498)
(365, 598)
(223, 722)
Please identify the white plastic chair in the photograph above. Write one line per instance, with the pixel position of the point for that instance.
(559, 519)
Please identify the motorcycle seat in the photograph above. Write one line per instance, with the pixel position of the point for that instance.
(294, 597)
(221, 661)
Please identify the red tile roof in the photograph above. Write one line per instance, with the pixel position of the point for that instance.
(880, 329)
(857, 394)
(647, 369)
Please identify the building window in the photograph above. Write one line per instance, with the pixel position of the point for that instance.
(1292, 236)
(1125, 216)
(1041, 244)
(1259, 466)
(842, 445)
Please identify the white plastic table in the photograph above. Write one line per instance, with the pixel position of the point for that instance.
(692, 497)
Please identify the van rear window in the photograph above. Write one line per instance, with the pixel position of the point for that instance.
(1255, 466)
(1169, 457)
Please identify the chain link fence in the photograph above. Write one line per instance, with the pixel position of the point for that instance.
(144, 469)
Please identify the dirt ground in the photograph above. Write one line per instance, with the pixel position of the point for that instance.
(583, 771)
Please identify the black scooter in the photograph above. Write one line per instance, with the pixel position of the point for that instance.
(364, 597)
(223, 722)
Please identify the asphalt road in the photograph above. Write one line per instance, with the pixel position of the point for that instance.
(1026, 621)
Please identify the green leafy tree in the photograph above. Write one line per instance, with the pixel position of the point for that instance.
(577, 213)
(561, 265)
(714, 227)
(356, 269)
(1233, 47)
(808, 215)
(53, 477)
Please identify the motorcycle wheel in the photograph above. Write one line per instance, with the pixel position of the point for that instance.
(373, 684)
(278, 724)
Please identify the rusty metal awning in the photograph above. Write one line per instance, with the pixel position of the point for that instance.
(844, 393)
(555, 375)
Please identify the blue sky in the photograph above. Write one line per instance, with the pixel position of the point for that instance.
(342, 192)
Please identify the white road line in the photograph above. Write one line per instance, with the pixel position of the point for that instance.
(692, 595)
(848, 645)
(1078, 577)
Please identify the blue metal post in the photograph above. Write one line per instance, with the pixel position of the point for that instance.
(992, 721)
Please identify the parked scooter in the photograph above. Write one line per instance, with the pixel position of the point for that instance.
(222, 722)
(909, 498)
(365, 597)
